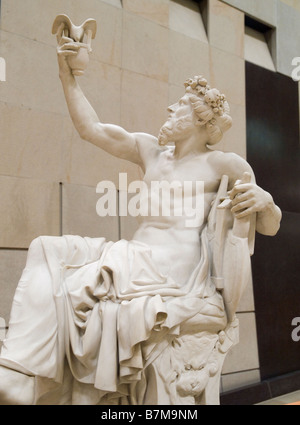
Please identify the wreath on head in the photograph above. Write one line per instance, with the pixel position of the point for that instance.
(210, 105)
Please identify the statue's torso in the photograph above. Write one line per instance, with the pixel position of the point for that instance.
(174, 239)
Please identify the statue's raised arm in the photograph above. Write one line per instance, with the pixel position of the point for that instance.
(73, 58)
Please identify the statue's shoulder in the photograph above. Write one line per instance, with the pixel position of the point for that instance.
(226, 157)
(230, 164)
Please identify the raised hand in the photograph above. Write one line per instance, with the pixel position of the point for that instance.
(66, 48)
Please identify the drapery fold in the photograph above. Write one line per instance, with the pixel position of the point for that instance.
(110, 311)
(90, 316)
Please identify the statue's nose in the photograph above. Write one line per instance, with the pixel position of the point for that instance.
(172, 108)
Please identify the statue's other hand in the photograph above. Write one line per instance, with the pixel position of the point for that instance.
(249, 198)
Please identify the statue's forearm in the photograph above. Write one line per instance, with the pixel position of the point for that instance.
(82, 114)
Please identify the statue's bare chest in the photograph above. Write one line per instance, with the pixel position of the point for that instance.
(190, 169)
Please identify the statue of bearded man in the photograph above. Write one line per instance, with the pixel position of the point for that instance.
(146, 321)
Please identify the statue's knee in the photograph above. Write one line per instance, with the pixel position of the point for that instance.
(35, 248)
(39, 242)
(35, 244)
(36, 251)
(39, 247)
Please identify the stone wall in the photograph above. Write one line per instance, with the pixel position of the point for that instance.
(143, 52)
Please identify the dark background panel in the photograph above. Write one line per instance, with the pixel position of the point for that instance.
(277, 297)
(273, 134)
(273, 151)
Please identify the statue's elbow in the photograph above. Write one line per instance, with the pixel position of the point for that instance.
(273, 232)
(84, 132)
(269, 224)
(268, 230)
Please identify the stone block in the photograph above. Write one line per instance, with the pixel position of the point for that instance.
(226, 28)
(87, 164)
(227, 73)
(101, 85)
(144, 103)
(175, 93)
(185, 17)
(13, 19)
(244, 355)
(108, 20)
(287, 41)
(145, 47)
(12, 263)
(116, 3)
(79, 215)
(154, 10)
(29, 208)
(265, 11)
(292, 3)
(31, 143)
(234, 140)
(188, 57)
(31, 74)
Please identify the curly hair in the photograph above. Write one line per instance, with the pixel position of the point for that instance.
(210, 106)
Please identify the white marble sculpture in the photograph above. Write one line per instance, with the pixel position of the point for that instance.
(63, 26)
(146, 321)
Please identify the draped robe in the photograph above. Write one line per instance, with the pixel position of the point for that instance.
(89, 316)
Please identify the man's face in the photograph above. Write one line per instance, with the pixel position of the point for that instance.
(179, 123)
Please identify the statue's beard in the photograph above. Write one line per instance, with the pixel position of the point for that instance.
(169, 134)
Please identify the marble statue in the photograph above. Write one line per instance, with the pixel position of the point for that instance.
(150, 320)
